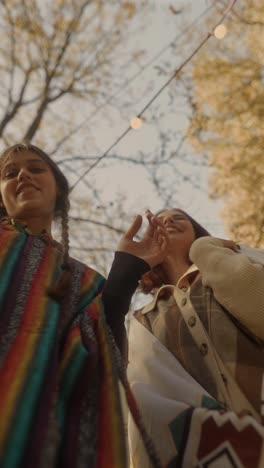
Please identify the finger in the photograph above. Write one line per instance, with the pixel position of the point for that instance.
(151, 228)
(160, 228)
(134, 228)
(149, 213)
(164, 243)
(156, 221)
(158, 232)
(160, 240)
(229, 244)
(162, 232)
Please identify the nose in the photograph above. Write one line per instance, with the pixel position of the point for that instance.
(167, 221)
(24, 174)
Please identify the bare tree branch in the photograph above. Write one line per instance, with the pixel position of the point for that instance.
(97, 223)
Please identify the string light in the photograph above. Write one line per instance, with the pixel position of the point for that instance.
(135, 123)
(223, 29)
(133, 77)
(220, 31)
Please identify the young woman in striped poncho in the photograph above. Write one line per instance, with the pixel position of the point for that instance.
(59, 366)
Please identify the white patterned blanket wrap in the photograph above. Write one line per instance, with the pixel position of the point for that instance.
(187, 425)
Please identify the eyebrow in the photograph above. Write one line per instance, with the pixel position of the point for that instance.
(175, 214)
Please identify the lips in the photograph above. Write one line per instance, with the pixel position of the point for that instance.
(174, 229)
(21, 188)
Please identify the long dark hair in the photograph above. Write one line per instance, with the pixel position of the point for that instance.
(155, 278)
(62, 206)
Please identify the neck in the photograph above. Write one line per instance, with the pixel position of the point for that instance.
(36, 225)
(175, 268)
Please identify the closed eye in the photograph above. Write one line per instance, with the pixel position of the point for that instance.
(176, 217)
(179, 217)
(10, 174)
(14, 172)
(37, 169)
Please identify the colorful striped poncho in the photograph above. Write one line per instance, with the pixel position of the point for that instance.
(59, 400)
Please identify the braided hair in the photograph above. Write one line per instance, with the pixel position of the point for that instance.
(62, 206)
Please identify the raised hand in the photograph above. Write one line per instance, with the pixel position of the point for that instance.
(154, 245)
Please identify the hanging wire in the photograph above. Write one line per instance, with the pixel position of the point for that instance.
(157, 94)
(131, 79)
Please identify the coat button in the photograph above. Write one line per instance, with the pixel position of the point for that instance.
(184, 301)
(191, 321)
(203, 349)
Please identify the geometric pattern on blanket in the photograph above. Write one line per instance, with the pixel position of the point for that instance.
(215, 438)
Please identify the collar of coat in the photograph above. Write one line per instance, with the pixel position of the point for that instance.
(152, 304)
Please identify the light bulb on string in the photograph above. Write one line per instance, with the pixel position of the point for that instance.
(135, 123)
(220, 31)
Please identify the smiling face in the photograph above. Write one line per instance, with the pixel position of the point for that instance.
(27, 186)
(180, 230)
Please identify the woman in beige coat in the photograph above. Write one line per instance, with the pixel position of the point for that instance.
(196, 351)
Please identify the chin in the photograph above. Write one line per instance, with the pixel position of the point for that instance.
(28, 209)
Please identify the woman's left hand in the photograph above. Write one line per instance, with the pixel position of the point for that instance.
(229, 244)
(154, 245)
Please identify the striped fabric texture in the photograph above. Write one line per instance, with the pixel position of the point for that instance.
(59, 398)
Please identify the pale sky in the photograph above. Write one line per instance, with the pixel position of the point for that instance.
(160, 29)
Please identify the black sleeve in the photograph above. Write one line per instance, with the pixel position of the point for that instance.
(120, 286)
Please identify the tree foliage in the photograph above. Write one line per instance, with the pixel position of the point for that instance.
(51, 50)
(61, 61)
(56, 59)
(227, 122)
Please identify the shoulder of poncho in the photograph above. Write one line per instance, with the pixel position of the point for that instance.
(84, 269)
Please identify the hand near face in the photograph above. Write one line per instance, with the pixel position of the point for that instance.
(154, 245)
(229, 244)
